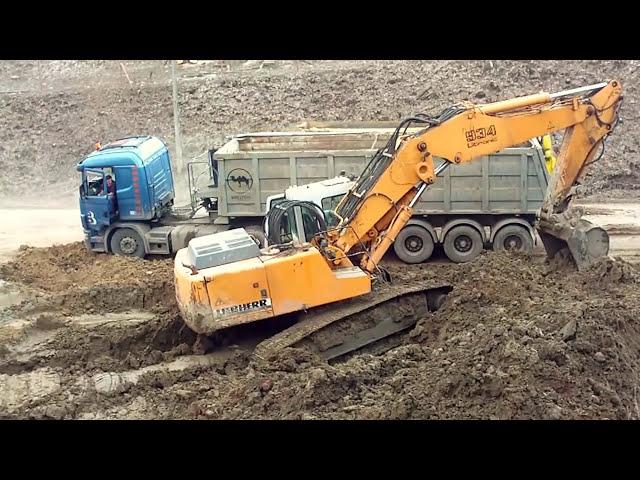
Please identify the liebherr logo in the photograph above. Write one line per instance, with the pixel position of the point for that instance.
(244, 307)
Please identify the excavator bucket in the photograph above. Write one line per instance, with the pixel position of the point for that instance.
(587, 243)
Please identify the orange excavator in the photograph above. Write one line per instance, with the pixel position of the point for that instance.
(339, 297)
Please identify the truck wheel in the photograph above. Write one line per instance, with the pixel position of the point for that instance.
(128, 243)
(513, 237)
(462, 244)
(413, 244)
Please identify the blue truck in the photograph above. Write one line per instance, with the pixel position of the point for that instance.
(127, 200)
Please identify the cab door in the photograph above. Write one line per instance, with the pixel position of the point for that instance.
(97, 208)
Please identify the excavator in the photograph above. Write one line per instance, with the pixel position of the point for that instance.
(332, 288)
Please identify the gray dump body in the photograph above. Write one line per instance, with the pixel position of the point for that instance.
(254, 166)
(251, 167)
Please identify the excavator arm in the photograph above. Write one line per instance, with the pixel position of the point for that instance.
(380, 204)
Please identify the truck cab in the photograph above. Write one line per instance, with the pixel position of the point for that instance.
(124, 183)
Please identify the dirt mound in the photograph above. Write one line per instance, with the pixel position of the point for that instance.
(78, 281)
(515, 339)
(122, 346)
(609, 271)
(512, 341)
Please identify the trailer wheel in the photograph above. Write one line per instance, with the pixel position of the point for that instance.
(462, 244)
(413, 244)
(513, 237)
(128, 243)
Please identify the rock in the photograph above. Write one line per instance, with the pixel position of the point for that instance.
(266, 385)
(568, 332)
(110, 383)
(599, 356)
(318, 374)
(184, 394)
(554, 412)
(156, 356)
(55, 412)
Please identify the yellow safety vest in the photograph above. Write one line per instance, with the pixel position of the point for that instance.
(549, 155)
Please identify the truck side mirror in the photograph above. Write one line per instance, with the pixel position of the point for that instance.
(83, 193)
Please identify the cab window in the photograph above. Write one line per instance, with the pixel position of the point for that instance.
(95, 183)
(311, 226)
(330, 203)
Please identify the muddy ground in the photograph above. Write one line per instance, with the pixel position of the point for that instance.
(53, 112)
(99, 337)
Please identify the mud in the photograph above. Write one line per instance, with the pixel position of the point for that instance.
(75, 281)
(518, 338)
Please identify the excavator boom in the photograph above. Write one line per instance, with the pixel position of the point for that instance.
(380, 203)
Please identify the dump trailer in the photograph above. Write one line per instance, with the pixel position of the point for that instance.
(488, 204)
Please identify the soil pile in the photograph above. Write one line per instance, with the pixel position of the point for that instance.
(516, 339)
(79, 281)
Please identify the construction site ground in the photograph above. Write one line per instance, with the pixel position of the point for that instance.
(94, 336)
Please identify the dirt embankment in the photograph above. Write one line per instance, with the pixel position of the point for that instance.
(51, 126)
(516, 338)
(80, 311)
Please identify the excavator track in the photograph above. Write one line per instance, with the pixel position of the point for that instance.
(335, 330)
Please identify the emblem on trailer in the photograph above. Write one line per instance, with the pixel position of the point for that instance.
(239, 180)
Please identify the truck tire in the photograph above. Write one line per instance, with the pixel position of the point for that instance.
(127, 242)
(513, 237)
(413, 244)
(462, 244)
